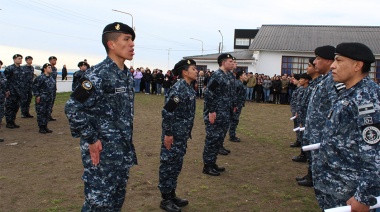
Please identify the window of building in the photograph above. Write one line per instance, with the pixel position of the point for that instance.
(201, 68)
(242, 42)
(294, 65)
(298, 65)
(375, 71)
(242, 68)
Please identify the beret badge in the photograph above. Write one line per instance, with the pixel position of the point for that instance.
(117, 27)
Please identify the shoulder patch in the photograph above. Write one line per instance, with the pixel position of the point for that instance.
(371, 134)
(172, 104)
(87, 85)
(83, 92)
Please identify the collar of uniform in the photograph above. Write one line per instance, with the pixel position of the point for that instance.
(112, 63)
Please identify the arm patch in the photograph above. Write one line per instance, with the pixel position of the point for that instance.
(83, 91)
(213, 85)
(172, 104)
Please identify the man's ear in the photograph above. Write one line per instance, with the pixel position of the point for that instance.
(110, 44)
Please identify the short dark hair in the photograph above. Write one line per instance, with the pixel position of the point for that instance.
(366, 67)
(109, 36)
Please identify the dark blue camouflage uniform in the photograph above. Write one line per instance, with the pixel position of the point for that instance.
(240, 95)
(43, 87)
(2, 96)
(102, 108)
(293, 110)
(26, 89)
(76, 77)
(321, 99)
(348, 164)
(53, 74)
(217, 99)
(13, 84)
(304, 103)
(177, 121)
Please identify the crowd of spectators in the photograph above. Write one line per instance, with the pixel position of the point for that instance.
(260, 88)
(276, 90)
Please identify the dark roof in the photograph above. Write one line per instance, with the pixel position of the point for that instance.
(239, 55)
(305, 38)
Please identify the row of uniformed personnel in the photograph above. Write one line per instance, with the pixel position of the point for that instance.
(101, 110)
(342, 107)
(16, 90)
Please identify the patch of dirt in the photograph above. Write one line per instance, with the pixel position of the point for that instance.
(43, 172)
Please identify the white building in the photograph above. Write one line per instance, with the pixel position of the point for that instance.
(279, 49)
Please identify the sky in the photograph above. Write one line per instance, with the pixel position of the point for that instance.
(71, 29)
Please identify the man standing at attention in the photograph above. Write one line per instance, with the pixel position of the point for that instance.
(54, 73)
(27, 81)
(240, 93)
(216, 113)
(100, 113)
(321, 98)
(13, 74)
(347, 169)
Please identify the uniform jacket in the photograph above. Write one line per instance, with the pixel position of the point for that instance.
(348, 163)
(179, 110)
(14, 75)
(44, 87)
(102, 107)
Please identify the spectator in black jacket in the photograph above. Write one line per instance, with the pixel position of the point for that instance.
(147, 77)
(276, 90)
(154, 82)
(159, 81)
(167, 81)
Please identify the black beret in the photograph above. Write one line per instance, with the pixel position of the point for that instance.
(16, 56)
(45, 65)
(81, 63)
(239, 73)
(296, 76)
(311, 60)
(52, 57)
(119, 27)
(28, 57)
(355, 51)
(305, 76)
(326, 52)
(224, 56)
(181, 64)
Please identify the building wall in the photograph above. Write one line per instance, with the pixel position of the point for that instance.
(269, 63)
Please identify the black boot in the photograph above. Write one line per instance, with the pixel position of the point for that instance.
(42, 130)
(52, 119)
(10, 125)
(26, 115)
(48, 130)
(1, 139)
(15, 125)
(296, 144)
(308, 182)
(178, 201)
(227, 150)
(167, 203)
(209, 169)
(299, 158)
(234, 139)
(222, 151)
(219, 168)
